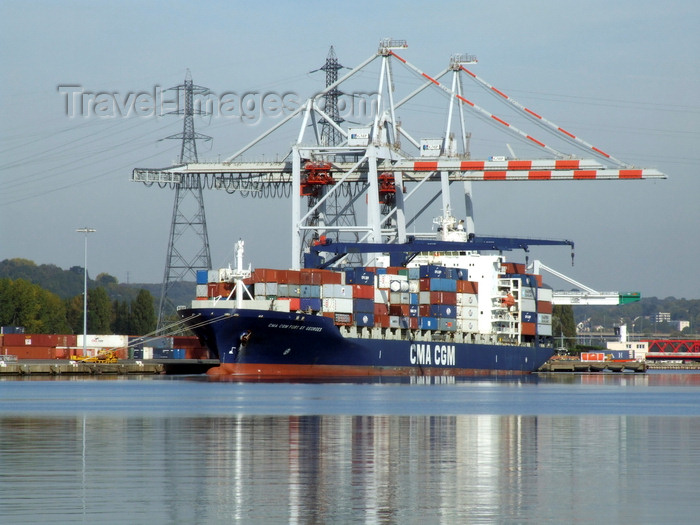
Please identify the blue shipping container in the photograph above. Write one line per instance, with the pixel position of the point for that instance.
(443, 285)
(414, 273)
(443, 310)
(364, 319)
(363, 306)
(358, 276)
(310, 290)
(528, 317)
(310, 303)
(432, 271)
(427, 323)
(202, 276)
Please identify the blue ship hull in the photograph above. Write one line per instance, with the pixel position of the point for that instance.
(264, 343)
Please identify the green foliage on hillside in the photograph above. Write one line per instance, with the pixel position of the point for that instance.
(46, 299)
(640, 317)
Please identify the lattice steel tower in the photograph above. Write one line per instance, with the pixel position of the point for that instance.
(338, 211)
(188, 245)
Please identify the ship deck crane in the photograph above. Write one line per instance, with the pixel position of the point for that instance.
(585, 295)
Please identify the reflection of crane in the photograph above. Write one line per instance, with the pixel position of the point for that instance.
(584, 295)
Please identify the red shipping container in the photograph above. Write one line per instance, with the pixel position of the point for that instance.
(294, 304)
(424, 310)
(331, 277)
(468, 287)
(443, 297)
(185, 341)
(393, 270)
(401, 310)
(424, 284)
(17, 339)
(294, 277)
(30, 352)
(197, 353)
(381, 309)
(363, 291)
(265, 275)
(544, 307)
(512, 267)
(528, 328)
(382, 321)
(310, 276)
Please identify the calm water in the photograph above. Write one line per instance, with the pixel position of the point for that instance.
(558, 449)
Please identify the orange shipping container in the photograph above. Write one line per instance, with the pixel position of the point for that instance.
(362, 291)
(443, 298)
(528, 328)
(544, 307)
(31, 352)
(265, 275)
(468, 287)
(381, 321)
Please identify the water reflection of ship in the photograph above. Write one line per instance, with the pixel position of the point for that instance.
(374, 467)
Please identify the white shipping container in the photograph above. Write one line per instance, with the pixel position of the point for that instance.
(528, 305)
(467, 312)
(467, 299)
(213, 276)
(148, 352)
(544, 294)
(259, 289)
(104, 341)
(202, 290)
(467, 325)
(342, 290)
(544, 318)
(527, 292)
(544, 329)
(414, 286)
(343, 306)
(384, 280)
(270, 288)
(399, 298)
(328, 304)
(424, 297)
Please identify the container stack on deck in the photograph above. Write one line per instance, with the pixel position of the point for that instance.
(427, 297)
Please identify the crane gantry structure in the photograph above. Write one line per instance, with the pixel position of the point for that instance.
(383, 166)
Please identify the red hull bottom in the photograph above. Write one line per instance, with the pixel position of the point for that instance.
(260, 371)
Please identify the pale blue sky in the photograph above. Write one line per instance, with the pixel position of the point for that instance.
(622, 75)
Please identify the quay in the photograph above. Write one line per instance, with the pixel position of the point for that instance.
(123, 367)
(557, 365)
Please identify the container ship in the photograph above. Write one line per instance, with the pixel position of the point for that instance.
(442, 307)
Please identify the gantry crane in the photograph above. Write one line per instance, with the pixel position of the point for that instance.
(383, 166)
(584, 295)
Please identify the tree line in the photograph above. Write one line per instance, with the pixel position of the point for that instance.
(40, 311)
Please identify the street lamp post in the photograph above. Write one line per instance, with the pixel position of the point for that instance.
(85, 230)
